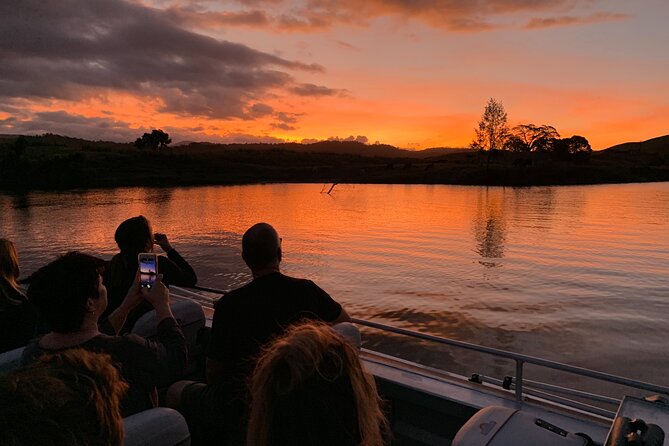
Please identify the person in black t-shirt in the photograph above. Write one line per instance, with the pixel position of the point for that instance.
(244, 321)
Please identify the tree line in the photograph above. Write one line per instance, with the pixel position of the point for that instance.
(493, 133)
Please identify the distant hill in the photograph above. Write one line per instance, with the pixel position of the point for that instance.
(334, 147)
(659, 145)
(58, 162)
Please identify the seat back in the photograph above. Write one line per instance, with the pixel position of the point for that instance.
(188, 314)
(159, 426)
(10, 360)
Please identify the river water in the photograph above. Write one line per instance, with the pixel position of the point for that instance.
(575, 274)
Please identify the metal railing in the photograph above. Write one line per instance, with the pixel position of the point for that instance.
(518, 382)
(520, 361)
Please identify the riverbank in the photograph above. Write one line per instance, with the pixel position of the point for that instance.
(55, 162)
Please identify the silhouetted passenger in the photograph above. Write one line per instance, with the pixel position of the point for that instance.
(309, 388)
(17, 315)
(135, 236)
(70, 293)
(70, 398)
(244, 320)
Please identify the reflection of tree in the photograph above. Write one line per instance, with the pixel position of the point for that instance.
(490, 228)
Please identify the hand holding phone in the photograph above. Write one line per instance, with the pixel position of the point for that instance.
(148, 270)
(162, 241)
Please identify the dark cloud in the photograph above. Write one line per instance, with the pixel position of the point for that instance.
(107, 129)
(283, 126)
(71, 49)
(289, 118)
(63, 123)
(315, 90)
(259, 110)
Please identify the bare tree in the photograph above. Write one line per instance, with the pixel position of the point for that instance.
(493, 129)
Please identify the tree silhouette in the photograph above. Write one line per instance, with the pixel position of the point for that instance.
(493, 128)
(571, 147)
(154, 140)
(531, 138)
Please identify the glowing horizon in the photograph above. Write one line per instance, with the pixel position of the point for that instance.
(413, 76)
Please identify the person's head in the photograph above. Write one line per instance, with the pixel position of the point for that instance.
(134, 236)
(69, 398)
(309, 388)
(68, 290)
(9, 262)
(261, 247)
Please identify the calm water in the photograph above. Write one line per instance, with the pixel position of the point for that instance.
(576, 274)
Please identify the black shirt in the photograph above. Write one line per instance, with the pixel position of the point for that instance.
(143, 363)
(247, 318)
(17, 318)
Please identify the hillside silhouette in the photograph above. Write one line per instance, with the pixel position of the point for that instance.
(332, 147)
(59, 162)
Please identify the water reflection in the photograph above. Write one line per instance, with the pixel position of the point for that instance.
(489, 227)
(585, 274)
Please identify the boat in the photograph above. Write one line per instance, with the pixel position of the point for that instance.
(428, 406)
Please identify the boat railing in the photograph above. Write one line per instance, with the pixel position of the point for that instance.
(517, 383)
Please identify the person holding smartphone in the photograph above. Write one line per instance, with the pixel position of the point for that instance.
(70, 294)
(135, 236)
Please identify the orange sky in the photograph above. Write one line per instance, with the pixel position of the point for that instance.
(397, 72)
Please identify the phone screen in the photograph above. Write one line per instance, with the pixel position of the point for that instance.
(148, 270)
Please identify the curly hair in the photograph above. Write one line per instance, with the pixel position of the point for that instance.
(67, 398)
(309, 387)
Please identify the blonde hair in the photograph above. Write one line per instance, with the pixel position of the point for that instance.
(308, 369)
(70, 397)
(9, 270)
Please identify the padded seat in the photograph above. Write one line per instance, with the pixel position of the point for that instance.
(156, 427)
(10, 360)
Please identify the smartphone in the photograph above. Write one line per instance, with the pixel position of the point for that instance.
(148, 270)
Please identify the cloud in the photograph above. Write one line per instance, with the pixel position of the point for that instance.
(63, 123)
(314, 90)
(283, 126)
(107, 129)
(73, 49)
(289, 118)
(216, 19)
(347, 46)
(449, 15)
(259, 110)
(599, 17)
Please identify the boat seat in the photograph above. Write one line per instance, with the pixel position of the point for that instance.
(156, 427)
(10, 360)
(189, 316)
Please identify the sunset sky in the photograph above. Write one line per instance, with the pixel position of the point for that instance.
(411, 73)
